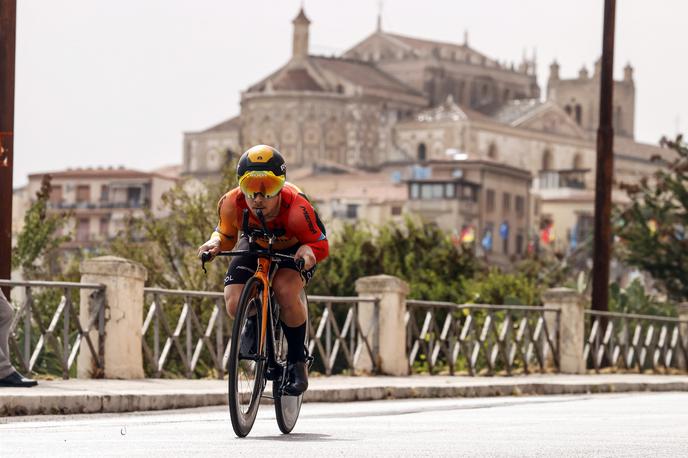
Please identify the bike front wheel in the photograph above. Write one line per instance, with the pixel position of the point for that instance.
(246, 366)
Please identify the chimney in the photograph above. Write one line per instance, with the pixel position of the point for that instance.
(300, 47)
(628, 73)
(554, 71)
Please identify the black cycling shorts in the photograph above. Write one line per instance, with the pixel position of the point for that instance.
(241, 268)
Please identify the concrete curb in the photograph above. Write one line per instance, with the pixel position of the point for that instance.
(104, 397)
(479, 391)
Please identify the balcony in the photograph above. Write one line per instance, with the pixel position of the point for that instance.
(96, 205)
(561, 179)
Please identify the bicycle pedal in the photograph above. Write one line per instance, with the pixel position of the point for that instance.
(273, 373)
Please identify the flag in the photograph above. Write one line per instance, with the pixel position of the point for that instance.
(487, 240)
(547, 234)
(574, 237)
(467, 234)
(504, 230)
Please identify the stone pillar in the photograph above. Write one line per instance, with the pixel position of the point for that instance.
(683, 330)
(391, 331)
(571, 328)
(124, 281)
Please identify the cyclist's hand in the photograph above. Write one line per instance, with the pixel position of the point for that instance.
(212, 245)
(306, 253)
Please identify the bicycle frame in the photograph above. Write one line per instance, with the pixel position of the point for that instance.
(264, 273)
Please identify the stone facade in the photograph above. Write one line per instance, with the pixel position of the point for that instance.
(393, 98)
(580, 99)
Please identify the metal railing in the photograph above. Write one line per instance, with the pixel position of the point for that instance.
(634, 342)
(188, 333)
(443, 336)
(64, 334)
(187, 322)
(347, 345)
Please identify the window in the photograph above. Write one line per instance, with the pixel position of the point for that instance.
(505, 245)
(519, 243)
(83, 193)
(490, 200)
(415, 190)
(568, 110)
(547, 160)
(492, 151)
(104, 191)
(422, 152)
(437, 191)
(104, 223)
(520, 206)
(396, 211)
(469, 193)
(579, 114)
(506, 202)
(82, 230)
(56, 195)
(433, 191)
(352, 211)
(577, 161)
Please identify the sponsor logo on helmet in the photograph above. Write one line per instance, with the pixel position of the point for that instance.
(260, 154)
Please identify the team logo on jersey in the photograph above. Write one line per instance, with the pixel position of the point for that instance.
(310, 224)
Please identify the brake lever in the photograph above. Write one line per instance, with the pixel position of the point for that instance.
(206, 256)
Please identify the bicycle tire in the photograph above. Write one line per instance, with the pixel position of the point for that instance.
(287, 408)
(243, 419)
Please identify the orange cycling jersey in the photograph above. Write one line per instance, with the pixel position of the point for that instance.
(296, 224)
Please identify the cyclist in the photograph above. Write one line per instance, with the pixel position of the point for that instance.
(261, 173)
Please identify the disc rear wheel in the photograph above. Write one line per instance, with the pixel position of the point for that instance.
(287, 408)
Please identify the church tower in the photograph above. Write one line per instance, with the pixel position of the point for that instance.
(300, 44)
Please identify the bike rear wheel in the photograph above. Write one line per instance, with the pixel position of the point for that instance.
(287, 408)
(246, 369)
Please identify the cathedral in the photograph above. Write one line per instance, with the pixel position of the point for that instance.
(395, 99)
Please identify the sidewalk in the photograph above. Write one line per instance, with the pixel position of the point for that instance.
(100, 396)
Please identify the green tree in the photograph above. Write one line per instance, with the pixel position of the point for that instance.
(35, 252)
(499, 288)
(167, 246)
(653, 228)
(420, 254)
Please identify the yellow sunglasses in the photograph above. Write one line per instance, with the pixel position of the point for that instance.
(256, 182)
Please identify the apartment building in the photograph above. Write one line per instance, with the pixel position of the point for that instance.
(100, 199)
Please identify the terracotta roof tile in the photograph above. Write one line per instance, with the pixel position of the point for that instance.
(363, 74)
(296, 79)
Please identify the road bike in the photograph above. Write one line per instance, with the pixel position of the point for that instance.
(252, 363)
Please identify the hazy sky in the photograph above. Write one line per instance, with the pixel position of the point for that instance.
(103, 82)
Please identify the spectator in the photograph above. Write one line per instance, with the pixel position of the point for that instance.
(9, 376)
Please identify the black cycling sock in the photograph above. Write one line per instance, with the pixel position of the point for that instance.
(295, 341)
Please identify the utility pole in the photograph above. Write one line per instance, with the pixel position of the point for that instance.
(605, 167)
(8, 20)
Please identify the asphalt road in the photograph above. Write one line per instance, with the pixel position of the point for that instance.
(644, 424)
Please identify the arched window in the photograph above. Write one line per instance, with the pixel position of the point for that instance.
(422, 152)
(579, 114)
(492, 151)
(547, 160)
(577, 161)
(617, 119)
